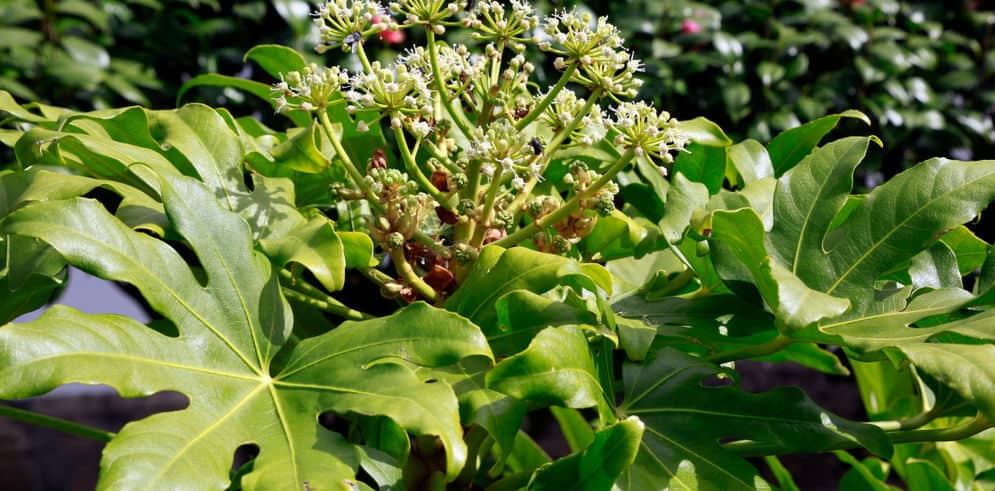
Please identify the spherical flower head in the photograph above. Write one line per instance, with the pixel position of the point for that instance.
(614, 75)
(565, 108)
(501, 146)
(494, 22)
(457, 67)
(578, 37)
(308, 89)
(647, 132)
(345, 23)
(396, 90)
(430, 13)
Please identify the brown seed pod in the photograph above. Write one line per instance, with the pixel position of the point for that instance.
(439, 278)
(377, 161)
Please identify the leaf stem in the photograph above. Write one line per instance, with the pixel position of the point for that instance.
(916, 421)
(747, 448)
(568, 207)
(57, 424)
(301, 291)
(753, 351)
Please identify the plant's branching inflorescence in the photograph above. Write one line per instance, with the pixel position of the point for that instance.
(475, 136)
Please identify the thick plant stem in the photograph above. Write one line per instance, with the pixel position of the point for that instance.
(458, 117)
(485, 216)
(335, 308)
(550, 97)
(746, 448)
(300, 291)
(362, 57)
(568, 207)
(916, 421)
(57, 424)
(407, 273)
(753, 351)
(464, 229)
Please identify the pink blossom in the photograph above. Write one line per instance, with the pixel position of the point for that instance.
(390, 36)
(690, 26)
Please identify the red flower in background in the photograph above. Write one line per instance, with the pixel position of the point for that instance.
(690, 26)
(389, 36)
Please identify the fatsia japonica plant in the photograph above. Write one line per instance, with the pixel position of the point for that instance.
(559, 249)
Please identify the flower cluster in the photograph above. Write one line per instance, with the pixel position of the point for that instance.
(345, 23)
(310, 88)
(604, 64)
(474, 136)
(397, 91)
(404, 207)
(503, 150)
(430, 13)
(457, 68)
(566, 107)
(647, 132)
(492, 22)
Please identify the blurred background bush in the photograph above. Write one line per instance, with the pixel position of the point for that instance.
(921, 69)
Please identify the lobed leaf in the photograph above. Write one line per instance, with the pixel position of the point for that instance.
(223, 357)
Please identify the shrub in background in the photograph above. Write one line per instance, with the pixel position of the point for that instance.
(921, 69)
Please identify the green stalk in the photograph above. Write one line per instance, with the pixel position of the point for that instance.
(550, 97)
(412, 167)
(748, 448)
(301, 291)
(407, 273)
(464, 230)
(326, 305)
(362, 57)
(568, 207)
(354, 174)
(57, 424)
(917, 421)
(458, 117)
(485, 217)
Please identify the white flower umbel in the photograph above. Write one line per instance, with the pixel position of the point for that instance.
(391, 90)
(345, 23)
(507, 26)
(647, 132)
(310, 88)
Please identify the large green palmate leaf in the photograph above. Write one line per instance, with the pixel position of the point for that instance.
(685, 421)
(738, 253)
(896, 221)
(597, 466)
(195, 140)
(498, 272)
(223, 358)
(30, 271)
